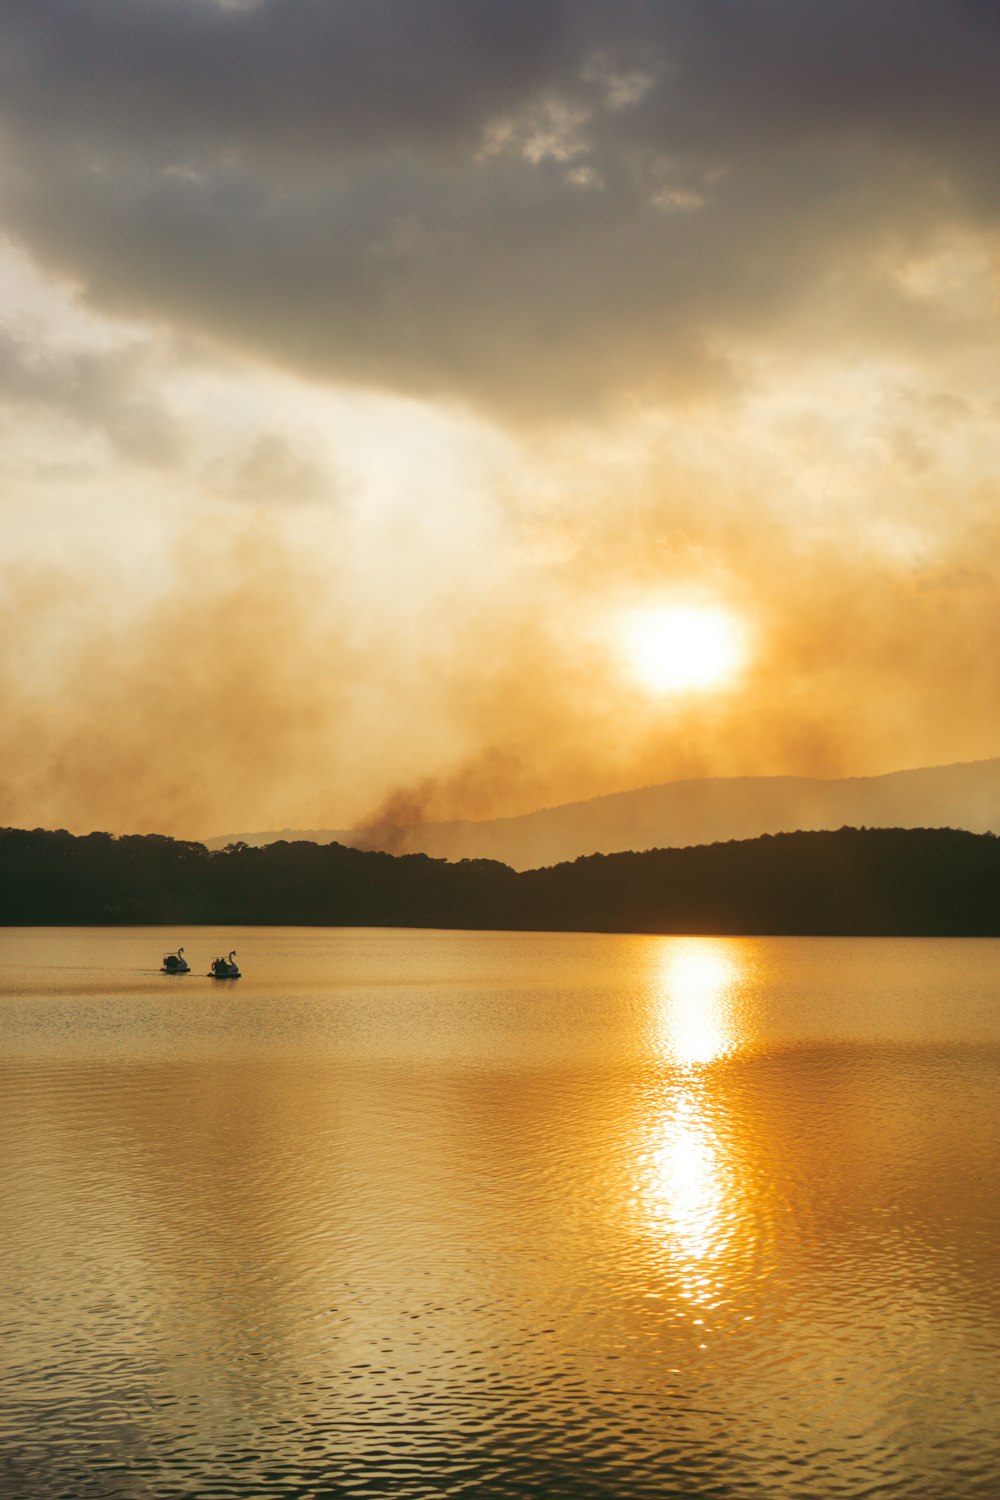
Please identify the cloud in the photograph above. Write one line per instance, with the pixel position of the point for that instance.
(112, 390)
(264, 674)
(539, 207)
(720, 277)
(271, 471)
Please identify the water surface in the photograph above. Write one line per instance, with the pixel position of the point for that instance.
(424, 1213)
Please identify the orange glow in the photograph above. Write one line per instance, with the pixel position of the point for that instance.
(683, 648)
(686, 1189)
(686, 1177)
(693, 1017)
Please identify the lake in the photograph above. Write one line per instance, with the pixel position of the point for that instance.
(421, 1213)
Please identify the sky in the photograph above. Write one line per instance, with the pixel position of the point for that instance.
(371, 370)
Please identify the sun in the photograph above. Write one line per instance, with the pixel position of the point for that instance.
(681, 648)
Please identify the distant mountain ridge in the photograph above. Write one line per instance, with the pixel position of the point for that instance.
(676, 814)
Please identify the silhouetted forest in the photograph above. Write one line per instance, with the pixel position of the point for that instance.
(853, 882)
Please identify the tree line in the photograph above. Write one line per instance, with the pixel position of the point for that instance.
(851, 882)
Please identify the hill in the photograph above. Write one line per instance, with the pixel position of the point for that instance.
(852, 882)
(680, 813)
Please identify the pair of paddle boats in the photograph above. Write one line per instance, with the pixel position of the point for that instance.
(222, 968)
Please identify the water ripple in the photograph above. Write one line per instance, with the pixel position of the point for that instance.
(485, 1215)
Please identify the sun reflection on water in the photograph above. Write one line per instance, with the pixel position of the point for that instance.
(688, 1178)
(694, 1017)
(684, 1181)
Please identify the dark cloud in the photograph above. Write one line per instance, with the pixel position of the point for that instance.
(527, 204)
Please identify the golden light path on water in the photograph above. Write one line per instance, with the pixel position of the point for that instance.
(689, 1188)
(694, 1019)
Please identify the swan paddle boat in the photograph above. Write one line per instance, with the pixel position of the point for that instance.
(224, 968)
(175, 963)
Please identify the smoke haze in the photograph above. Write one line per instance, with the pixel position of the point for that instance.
(363, 367)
